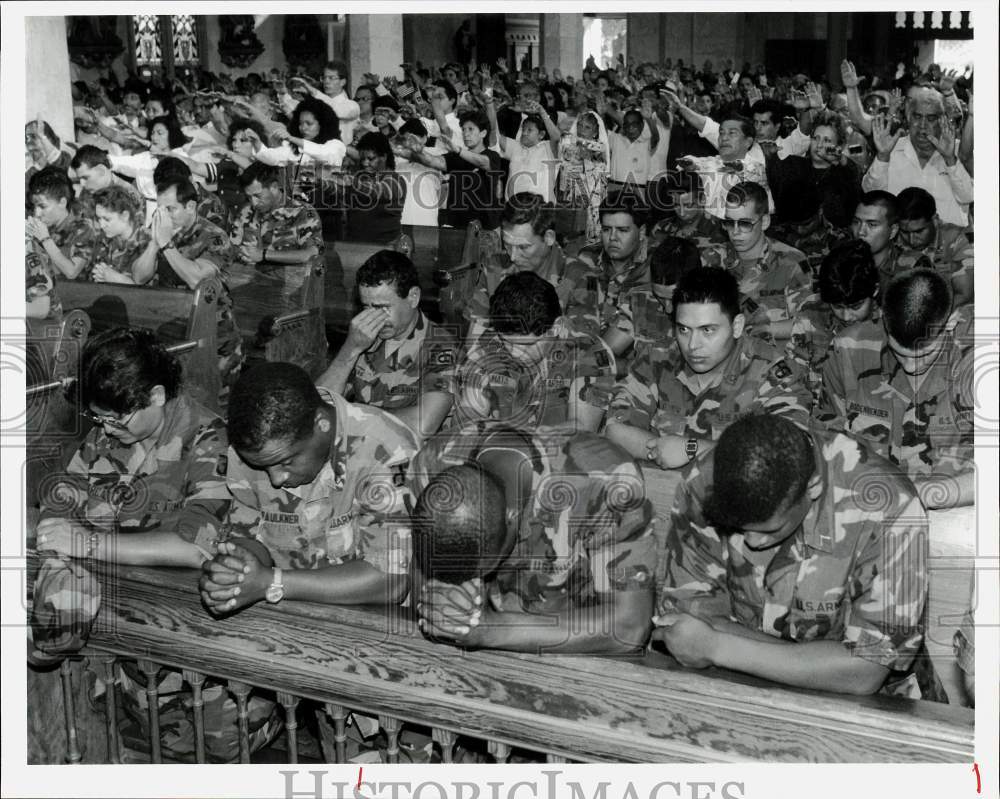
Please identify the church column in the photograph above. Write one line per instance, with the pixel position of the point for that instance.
(46, 69)
(376, 45)
(562, 43)
(836, 44)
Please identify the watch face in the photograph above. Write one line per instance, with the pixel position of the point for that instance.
(274, 593)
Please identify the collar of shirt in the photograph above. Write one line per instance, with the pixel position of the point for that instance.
(819, 526)
(177, 414)
(737, 267)
(636, 273)
(411, 341)
(729, 371)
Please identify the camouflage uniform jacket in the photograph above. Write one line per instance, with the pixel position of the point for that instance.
(178, 485)
(75, 237)
(703, 230)
(587, 528)
(40, 278)
(492, 384)
(293, 226)
(87, 208)
(599, 297)
(813, 331)
(855, 571)
(207, 242)
(496, 268)
(396, 373)
(117, 253)
(951, 253)
(356, 508)
(211, 207)
(867, 394)
(814, 239)
(659, 393)
(775, 287)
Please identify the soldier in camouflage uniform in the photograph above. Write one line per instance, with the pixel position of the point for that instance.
(944, 247)
(876, 222)
(561, 528)
(530, 366)
(395, 357)
(92, 169)
(210, 205)
(318, 493)
(869, 378)
(147, 487)
(774, 278)
(689, 220)
(42, 301)
(188, 250)
(799, 557)
(848, 294)
(60, 237)
(124, 237)
(681, 393)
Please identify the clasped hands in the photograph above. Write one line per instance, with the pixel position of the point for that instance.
(237, 577)
(454, 613)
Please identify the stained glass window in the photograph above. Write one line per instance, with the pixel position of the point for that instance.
(147, 40)
(185, 39)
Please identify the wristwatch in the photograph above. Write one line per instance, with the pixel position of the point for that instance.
(691, 448)
(276, 590)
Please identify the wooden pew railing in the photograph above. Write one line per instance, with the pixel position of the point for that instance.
(375, 661)
(177, 316)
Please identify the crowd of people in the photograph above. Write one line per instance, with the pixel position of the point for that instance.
(769, 288)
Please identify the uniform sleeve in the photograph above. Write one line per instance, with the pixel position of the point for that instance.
(888, 590)
(579, 286)
(81, 241)
(962, 257)
(799, 289)
(831, 408)
(440, 356)
(207, 500)
(635, 399)
(695, 572)
(212, 246)
(307, 231)
(594, 374)
(66, 496)
(784, 391)
(243, 518)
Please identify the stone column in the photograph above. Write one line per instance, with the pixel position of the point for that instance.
(376, 45)
(562, 43)
(46, 69)
(836, 45)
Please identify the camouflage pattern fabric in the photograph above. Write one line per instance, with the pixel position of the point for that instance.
(211, 207)
(587, 530)
(951, 253)
(86, 208)
(855, 571)
(813, 331)
(207, 242)
(867, 394)
(293, 226)
(396, 373)
(40, 278)
(703, 230)
(814, 239)
(117, 253)
(599, 296)
(357, 507)
(75, 237)
(66, 600)
(660, 393)
(773, 288)
(492, 384)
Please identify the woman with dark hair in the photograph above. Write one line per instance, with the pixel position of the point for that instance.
(122, 248)
(375, 194)
(147, 485)
(313, 137)
(246, 136)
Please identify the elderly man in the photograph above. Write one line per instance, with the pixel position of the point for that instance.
(927, 157)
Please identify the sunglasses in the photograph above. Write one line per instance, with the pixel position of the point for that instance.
(109, 421)
(744, 225)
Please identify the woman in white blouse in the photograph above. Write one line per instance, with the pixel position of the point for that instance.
(313, 137)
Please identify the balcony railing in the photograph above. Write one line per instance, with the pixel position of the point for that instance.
(572, 708)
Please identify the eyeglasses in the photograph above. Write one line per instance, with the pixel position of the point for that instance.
(110, 421)
(744, 225)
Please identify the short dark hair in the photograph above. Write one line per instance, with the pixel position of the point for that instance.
(625, 201)
(761, 462)
(120, 199)
(390, 267)
(414, 126)
(477, 118)
(378, 144)
(186, 192)
(915, 203)
(916, 305)
(385, 101)
(747, 193)
(265, 174)
(170, 167)
(746, 125)
(448, 89)
(338, 66)
(708, 284)
(119, 368)
(885, 200)
(51, 182)
(175, 136)
(329, 125)
(848, 274)
(240, 124)
(524, 304)
(673, 258)
(768, 106)
(273, 401)
(90, 156)
(526, 208)
(536, 120)
(459, 522)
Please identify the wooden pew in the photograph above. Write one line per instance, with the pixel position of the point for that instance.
(280, 311)
(52, 421)
(652, 711)
(177, 316)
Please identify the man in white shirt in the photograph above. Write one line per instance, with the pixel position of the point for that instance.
(767, 123)
(334, 94)
(926, 157)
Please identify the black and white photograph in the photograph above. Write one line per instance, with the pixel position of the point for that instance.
(500, 389)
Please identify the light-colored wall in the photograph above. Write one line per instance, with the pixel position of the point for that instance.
(562, 43)
(46, 70)
(376, 44)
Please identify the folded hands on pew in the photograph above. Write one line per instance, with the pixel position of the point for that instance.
(238, 576)
(453, 612)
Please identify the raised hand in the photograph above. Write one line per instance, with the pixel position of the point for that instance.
(815, 96)
(800, 100)
(947, 82)
(754, 95)
(849, 75)
(885, 140)
(945, 143)
(502, 64)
